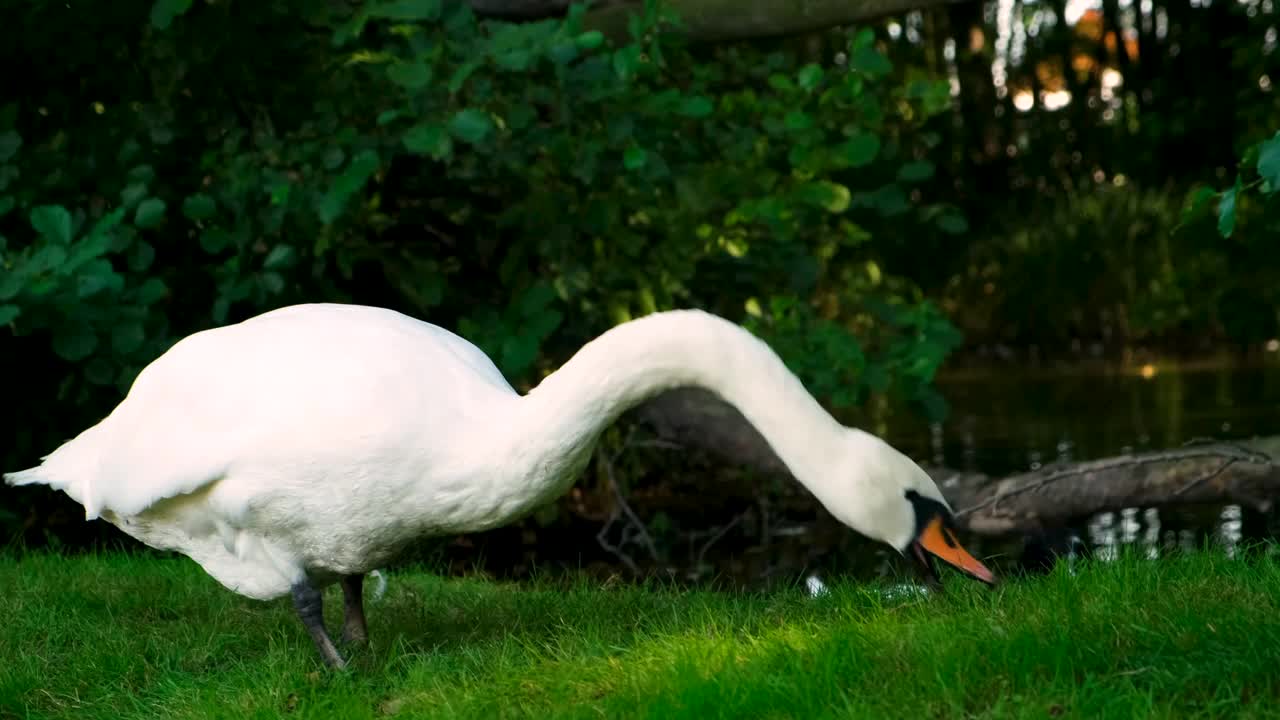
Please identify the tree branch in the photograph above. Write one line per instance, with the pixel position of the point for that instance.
(1204, 473)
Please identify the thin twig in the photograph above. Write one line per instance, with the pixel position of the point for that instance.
(718, 535)
(621, 507)
(612, 549)
(1205, 479)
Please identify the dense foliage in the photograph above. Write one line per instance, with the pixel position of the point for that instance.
(527, 184)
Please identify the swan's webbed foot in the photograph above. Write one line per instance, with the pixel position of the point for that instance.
(354, 629)
(310, 606)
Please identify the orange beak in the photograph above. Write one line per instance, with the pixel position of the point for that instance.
(942, 543)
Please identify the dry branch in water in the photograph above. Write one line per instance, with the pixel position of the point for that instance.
(1200, 473)
(1053, 495)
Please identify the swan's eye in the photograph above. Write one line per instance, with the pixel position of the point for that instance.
(928, 510)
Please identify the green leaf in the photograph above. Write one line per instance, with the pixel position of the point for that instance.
(280, 193)
(459, 77)
(781, 83)
(164, 12)
(634, 158)
(626, 61)
(428, 139)
(917, 171)
(221, 308)
(6, 205)
(696, 106)
(1268, 162)
(95, 244)
(133, 193)
(829, 196)
(280, 256)
(10, 141)
(563, 53)
(1197, 201)
(74, 340)
(888, 200)
(150, 213)
(868, 60)
(590, 40)
(517, 60)
(9, 313)
(273, 282)
(96, 276)
(214, 240)
(127, 336)
(407, 10)
(53, 223)
(806, 157)
(810, 76)
(151, 291)
(952, 223)
(199, 207)
(10, 285)
(1227, 210)
(865, 37)
(861, 149)
(141, 256)
(410, 75)
(471, 125)
(351, 180)
(798, 120)
(142, 174)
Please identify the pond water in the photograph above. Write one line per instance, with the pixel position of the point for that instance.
(1004, 421)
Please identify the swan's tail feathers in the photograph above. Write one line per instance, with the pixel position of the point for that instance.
(30, 476)
(56, 473)
(71, 468)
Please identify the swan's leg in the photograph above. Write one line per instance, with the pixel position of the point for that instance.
(310, 606)
(354, 629)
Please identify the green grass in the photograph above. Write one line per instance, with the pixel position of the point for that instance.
(136, 637)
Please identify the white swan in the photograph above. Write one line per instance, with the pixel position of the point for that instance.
(310, 444)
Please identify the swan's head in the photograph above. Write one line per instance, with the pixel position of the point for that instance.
(884, 495)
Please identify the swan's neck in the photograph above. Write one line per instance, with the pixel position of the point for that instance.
(558, 422)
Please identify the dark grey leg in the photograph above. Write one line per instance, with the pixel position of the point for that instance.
(310, 606)
(354, 629)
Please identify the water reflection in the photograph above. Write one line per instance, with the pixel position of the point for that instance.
(1002, 422)
(1005, 422)
(1110, 532)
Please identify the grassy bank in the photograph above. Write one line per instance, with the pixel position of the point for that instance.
(129, 637)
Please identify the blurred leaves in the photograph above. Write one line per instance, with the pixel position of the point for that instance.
(1268, 166)
(1259, 177)
(52, 223)
(529, 184)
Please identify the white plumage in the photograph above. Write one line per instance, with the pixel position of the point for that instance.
(312, 443)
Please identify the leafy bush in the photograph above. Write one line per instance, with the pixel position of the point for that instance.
(529, 184)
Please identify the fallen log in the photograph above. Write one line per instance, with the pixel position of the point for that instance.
(1200, 473)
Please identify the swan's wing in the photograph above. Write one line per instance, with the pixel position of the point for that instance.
(288, 387)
